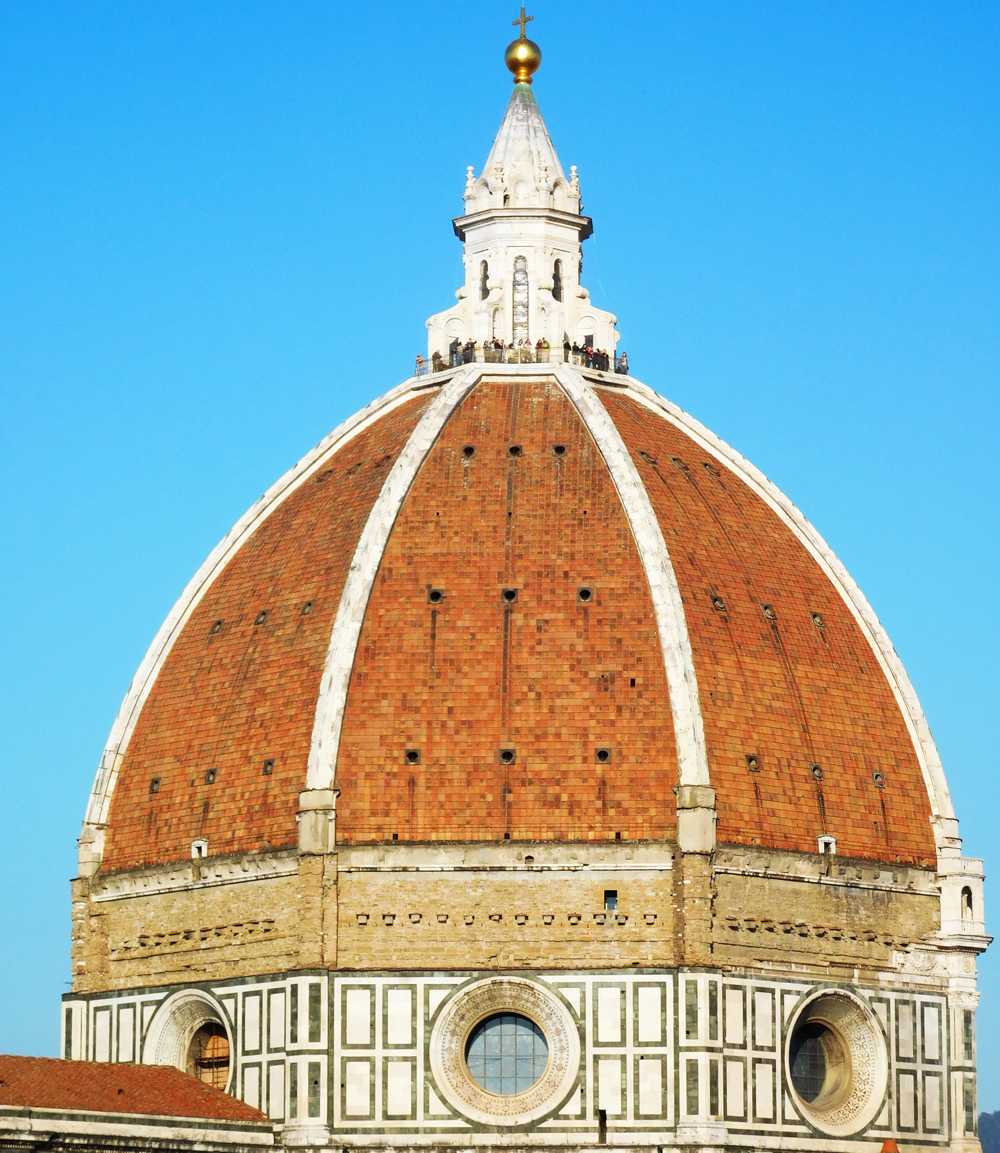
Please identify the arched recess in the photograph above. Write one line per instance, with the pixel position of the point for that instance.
(559, 196)
(586, 326)
(175, 1025)
(520, 194)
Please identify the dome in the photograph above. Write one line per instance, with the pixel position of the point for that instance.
(520, 602)
(524, 762)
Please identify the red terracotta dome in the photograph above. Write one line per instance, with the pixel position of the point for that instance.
(525, 603)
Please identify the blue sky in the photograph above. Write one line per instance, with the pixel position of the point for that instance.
(224, 224)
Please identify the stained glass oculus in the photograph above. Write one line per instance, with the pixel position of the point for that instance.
(818, 1065)
(808, 1061)
(506, 1054)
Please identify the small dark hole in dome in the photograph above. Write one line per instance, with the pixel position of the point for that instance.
(529, 860)
(307, 608)
(632, 682)
(879, 778)
(412, 756)
(217, 626)
(618, 836)
(514, 450)
(154, 785)
(354, 468)
(753, 762)
(559, 449)
(262, 616)
(507, 756)
(679, 463)
(210, 775)
(769, 612)
(395, 836)
(602, 754)
(816, 772)
(648, 458)
(718, 604)
(324, 476)
(268, 767)
(817, 620)
(710, 468)
(509, 595)
(469, 451)
(585, 594)
(435, 596)
(506, 836)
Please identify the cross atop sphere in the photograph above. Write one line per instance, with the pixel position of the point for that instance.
(522, 20)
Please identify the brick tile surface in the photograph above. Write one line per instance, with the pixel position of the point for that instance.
(228, 700)
(784, 689)
(548, 675)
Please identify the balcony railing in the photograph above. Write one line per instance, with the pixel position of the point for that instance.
(478, 355)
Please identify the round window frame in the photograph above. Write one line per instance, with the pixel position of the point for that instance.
(860, 1033)
(174, 1025)
(472, 1005)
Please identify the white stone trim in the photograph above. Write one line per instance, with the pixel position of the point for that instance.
(682, 683)
(124, 724)
(851, 594)
(361, 577)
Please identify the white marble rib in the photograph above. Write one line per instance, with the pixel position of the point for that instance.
(682, 683)
(365, 563)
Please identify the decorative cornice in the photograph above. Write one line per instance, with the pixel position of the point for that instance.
(205, 873)
(582, 224)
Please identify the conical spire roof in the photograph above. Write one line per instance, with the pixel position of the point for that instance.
(523, 147)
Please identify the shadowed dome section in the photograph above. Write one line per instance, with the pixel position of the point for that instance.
(514, 496)
(784, 671)
(240, 683)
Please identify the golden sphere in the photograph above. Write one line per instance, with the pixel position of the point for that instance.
(522, 57)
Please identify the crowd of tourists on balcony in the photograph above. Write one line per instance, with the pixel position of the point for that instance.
(497, 351)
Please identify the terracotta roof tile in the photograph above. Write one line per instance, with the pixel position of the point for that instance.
(153, 1090)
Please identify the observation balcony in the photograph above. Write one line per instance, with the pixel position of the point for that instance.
(477, 355)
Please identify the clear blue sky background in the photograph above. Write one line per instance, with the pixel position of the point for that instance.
(222, 226)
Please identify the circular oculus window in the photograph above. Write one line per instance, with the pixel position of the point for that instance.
(505, 1051)
(837, 1063)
